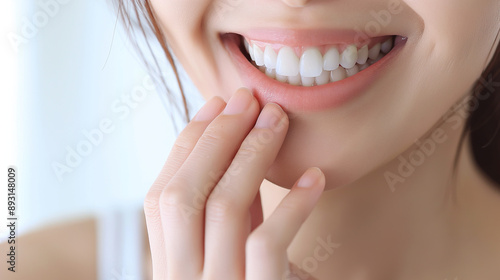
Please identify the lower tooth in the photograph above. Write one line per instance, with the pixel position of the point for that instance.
(324, 78)
(372, 61)
(295, 80)
(271, 73)
(363, 66)
(281, 78)
(307, 81)
(352, 71)
(338, 74)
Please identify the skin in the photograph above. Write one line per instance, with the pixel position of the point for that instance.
(422, 227)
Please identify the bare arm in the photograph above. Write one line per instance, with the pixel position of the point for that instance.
(63, 251)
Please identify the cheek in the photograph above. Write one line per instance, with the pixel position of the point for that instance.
(177, 16)
(458, 33)
(184, 23)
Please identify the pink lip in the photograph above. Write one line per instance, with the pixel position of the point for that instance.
(297, 98)
(298, 38)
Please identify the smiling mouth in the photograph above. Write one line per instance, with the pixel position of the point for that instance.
(310, 70)
(318, 65)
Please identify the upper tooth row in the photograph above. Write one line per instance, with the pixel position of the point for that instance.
(312, 62)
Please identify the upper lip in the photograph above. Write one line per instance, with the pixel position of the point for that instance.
(310, 37)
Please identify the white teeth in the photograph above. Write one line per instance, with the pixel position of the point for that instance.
(295, 80)
(270, 57)
(287, 63)
(258, 55)
(311, 63)
(374, 51)
(313, 68)
(323, 79)
(362, 55)
(250, 51)
(363, 66)
(349, 57)
(307, 81)
(352, 71)
(271, 73)
(331, 60)
(386, 46)
(281, 78)
(338, 74)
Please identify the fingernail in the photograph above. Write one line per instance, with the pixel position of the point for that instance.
(239, 102)
(271, 117)
(310, 177)
(210, 110)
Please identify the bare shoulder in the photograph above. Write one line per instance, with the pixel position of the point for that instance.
(62, 251)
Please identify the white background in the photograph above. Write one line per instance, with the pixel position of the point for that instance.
(54, 87)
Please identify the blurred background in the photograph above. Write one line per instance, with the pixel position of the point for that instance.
(81, 118)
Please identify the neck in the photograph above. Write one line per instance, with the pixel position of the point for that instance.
(406, 220)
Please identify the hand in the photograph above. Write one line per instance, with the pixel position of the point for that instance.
(204, 214)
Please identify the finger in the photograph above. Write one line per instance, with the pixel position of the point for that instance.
(182, 202)
(266, 247)
(226, 225)
(180, 151)
(256, 214)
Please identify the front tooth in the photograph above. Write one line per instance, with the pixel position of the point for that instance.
(271, 73)
(311, 63)
(294, 80)
(386, 46)
(324, 78)
(349, 57)
(338, 74)
(331, 60)
(270, 57)
(307, 81)
(287, 63)
(281, 78)
(374, 51)
(362, 55)
(352, 71)
(258, 55)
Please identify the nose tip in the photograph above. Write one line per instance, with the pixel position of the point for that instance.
(295, 3)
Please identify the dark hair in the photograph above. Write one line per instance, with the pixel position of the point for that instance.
(482, 126)
(483, 123)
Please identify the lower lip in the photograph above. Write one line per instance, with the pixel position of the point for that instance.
(305, 99)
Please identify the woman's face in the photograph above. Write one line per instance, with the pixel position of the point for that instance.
(354, 125)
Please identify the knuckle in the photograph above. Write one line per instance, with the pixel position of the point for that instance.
(262, 243)
(213, 135)
(250, 147)
(173, 204)
(220, 209)
(220, 130)
(151, 203)
(182, 147)
(171, 198)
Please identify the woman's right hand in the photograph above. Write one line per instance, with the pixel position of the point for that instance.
(203, 212)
